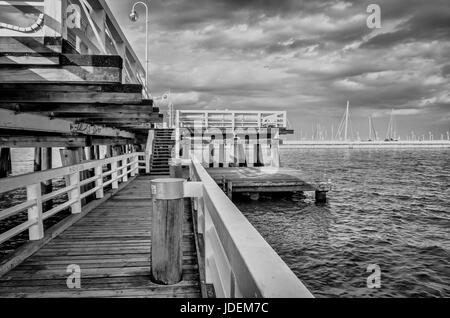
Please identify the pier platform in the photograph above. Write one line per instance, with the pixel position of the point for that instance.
(261, 179)
(111, 245)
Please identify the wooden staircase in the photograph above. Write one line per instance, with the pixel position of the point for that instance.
(161, 152)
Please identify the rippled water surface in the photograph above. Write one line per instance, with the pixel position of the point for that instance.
(388, 207)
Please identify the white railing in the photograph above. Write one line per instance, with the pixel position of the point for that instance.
(230, 119)
(120, 168)
(238, 261)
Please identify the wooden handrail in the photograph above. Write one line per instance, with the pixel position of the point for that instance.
(11, 183)
(129, 164)
(238, 261)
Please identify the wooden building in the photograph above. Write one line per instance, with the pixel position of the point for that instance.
(70, 79)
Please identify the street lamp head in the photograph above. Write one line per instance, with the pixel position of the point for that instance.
(134, 16)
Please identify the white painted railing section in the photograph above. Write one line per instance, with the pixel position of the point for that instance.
(121, 167)
(238, 261)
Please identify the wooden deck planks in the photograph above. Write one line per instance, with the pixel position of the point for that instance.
(112, 247)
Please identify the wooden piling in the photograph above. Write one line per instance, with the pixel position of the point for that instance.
(43, 161)
(73, 156)
(176, 169)
(167, 230)
(5, 162)
(321, 197)
(69, 157)
(230, 190)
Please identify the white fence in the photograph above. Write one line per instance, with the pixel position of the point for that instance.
(238, 261)
(230, 119)
(120, 168)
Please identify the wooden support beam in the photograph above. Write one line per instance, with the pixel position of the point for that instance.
(73, 156)
(127, 116)
(75, 108)
(28, 122)
(110, 141)
(17, 141)
(20, 67)
(116, 122)
(43, 161)
(71, 93)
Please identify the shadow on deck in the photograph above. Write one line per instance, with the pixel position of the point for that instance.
(111, 245)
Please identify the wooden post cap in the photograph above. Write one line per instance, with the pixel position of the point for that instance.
(167, 189)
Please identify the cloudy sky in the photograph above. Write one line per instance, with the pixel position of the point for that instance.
(304, 56)
(307, 57)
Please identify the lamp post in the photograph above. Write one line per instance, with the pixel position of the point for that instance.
(134, 17)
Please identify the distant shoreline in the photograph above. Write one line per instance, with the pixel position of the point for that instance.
(364, 144)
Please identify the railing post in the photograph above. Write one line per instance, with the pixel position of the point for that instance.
(147, 163)
(74, 179)
(115, 183)
(149, 149)
(167, 230)
(201, 210)
(135, 165)
(124, 170)
(36, 231)
(99, 194)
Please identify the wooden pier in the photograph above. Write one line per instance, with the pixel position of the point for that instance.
(84, 94)
(111, 244)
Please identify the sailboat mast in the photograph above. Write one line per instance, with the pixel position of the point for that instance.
(392, 125)
(346, 121)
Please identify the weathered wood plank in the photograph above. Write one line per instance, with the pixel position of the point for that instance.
(25, 251)
(28, 122)
(39, 74)
(112, 247)
(99, 282)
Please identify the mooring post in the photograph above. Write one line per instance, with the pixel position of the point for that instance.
(321, 196)
(176, 168)
(224, 184)
(5, 162)
(230, 190)
(167, 230)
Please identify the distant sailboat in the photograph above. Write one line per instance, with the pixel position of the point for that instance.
(390, 134)
(372, 132)
(345, 125)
